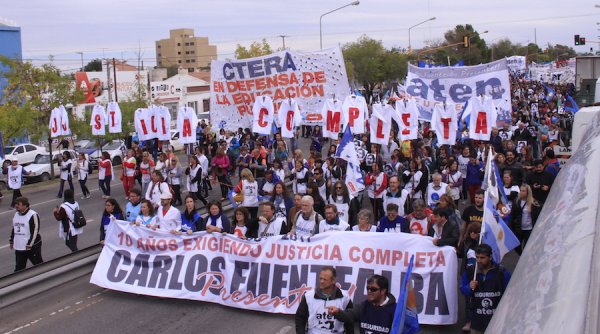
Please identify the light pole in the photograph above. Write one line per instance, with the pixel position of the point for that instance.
(353, 3)
(81, 53)
(492, 45)
(418, 24)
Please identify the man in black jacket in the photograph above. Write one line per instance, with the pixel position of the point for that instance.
(443, 231)
(312, 315)
(540, 182)
(376, 314)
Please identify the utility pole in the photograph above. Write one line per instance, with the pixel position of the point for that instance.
(115, 75)
(283, 39)
(81, 53)
(108, 80)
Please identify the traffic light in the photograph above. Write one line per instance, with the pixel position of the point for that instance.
(577, 40)
(581, 40)
(466, 41)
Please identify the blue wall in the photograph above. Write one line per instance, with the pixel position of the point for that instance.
(10, 46)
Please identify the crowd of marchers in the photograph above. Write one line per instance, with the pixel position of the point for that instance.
(413, 186)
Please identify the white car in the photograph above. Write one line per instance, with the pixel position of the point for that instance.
(116, 149)
(39, 170)
(25, 153)
(176, 145)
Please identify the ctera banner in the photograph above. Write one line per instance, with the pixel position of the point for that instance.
(309, 77)
(272, 274)
(456, 85)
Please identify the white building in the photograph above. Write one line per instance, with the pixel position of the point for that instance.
(184, 89)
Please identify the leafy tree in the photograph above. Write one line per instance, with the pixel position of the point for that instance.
(93, 66)
(454, 50)
(31, 94)
(255, 49)
(363, 60)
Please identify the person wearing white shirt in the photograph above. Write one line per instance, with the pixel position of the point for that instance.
(82, 174)
(269, 224)
(168, 217)
(332, 223)
(156, 188)
(66, 165)
(435, 190)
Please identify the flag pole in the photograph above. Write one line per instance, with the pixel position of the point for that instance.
(488, 170)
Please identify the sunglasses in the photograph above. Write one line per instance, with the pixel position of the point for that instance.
(371, 289)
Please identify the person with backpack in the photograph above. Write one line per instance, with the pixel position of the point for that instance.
(65, 214)
(485, 289)
(307, 220)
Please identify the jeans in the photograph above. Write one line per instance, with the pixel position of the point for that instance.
(105, 185)
(84, 189)
(62, 186)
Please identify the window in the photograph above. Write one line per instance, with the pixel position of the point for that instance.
(193, 60)
(160, 55)
(191, 43)
(178, 44)
(187, 60)
(20, 149)
(179, 61)
(187, 52)
(158, 46)
(192, 52)
(193, 105)
(178, 52)
(159, 63)
(29, 148)
(206, 105)
(187, 44)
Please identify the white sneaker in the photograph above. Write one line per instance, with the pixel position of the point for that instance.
(83, 197)
(88, 196)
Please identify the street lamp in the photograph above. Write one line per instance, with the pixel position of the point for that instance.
(353, 3)
(81, 53)
(418, 24)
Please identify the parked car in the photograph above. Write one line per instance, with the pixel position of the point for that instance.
(25, 153)
(116, 149)
(39, 170)
(176, 145)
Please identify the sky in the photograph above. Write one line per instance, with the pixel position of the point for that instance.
(124, 29)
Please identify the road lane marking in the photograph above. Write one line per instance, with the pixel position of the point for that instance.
(53, 200)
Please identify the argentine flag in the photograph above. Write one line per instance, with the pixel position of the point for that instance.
(494, 230)
(347, 151)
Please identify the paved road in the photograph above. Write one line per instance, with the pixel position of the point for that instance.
(42, 197)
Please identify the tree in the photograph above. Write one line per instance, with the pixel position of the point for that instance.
(31, 94)
(255, 49)
(93, 66)
(476, 53)
(363, 60)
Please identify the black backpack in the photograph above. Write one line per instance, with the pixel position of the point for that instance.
(78, 217)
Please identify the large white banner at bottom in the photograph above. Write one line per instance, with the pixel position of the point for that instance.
(272, 274)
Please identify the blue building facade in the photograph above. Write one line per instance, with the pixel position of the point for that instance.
(10, 46)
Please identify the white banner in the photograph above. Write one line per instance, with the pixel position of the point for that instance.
(272, 274)
(308, 77)
(456, 85)
(165, 91)
(516, 64)
(554, 73)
